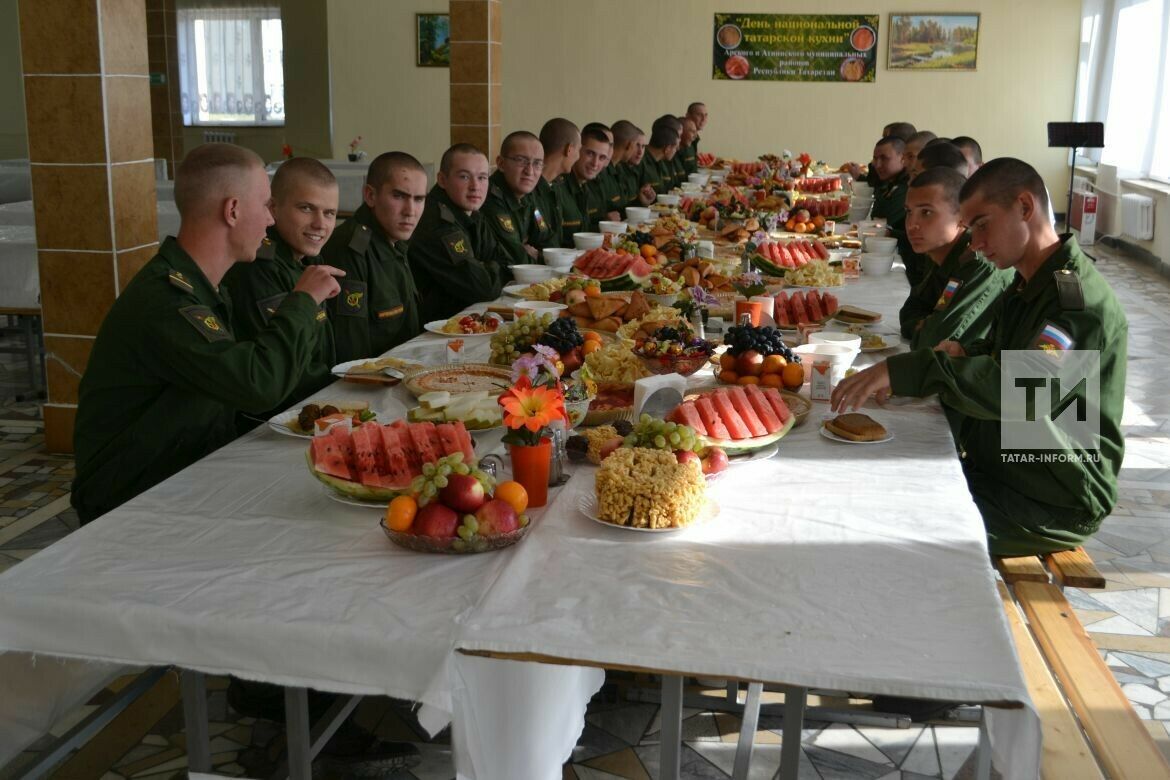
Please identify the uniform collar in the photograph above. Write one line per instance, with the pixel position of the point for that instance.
(365, 216)
(183, 265)
(497, 180)
(1065, 255)
(281, 251)
(954, 258)
(442, 201)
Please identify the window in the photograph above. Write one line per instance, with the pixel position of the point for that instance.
(231, 64)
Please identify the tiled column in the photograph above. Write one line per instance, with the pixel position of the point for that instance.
(87, 98)
(162, 51)
(475, 74)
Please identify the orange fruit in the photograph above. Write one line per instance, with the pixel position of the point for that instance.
(514, 494)
(774, 363)
(591, 335)
(728, 376)
(801, 227)
(772, 380)
(648, 250)
(727, 361)
(792, 375)
(400, 514)
(790, 225)
(748, 380)
(622, 251)
(590, 346)
(593, 291)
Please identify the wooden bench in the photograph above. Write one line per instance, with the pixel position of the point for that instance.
(1068, 568)
(1120, 743)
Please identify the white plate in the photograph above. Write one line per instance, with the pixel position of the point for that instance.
(341, 369)
(353, 501)
(879, 349)
(514, 289)
(830, 435)
(280, 422)
(761, 454)
(436, 327)
(587, 503)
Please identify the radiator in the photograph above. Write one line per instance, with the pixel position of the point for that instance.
(1081, 184)
(1137, 216)
(219, 137)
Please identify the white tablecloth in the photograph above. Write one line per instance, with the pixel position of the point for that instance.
(15, 181)
(20, 284)
(861, 568)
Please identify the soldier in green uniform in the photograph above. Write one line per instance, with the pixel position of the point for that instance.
(954, 300)
(509, 207)
(304, 205)
(697, 113)
(915, 144)
(581, 204)
(626, 140)
(166, 374)
(454, 257)
(632, 171)
(378, 307)
(656, 170)
(889, 200)
(1031, 502)
(606, 190)
(688, 147)
(561, 141)
(936, 154)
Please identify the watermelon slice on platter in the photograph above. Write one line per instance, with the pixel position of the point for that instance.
(720, 418)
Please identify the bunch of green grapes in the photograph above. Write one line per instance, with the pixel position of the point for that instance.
(427, 485)
(661, 435)
(514, 339)
(469, 538)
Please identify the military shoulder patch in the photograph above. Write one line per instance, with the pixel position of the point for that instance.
(1068, 290)
(1053, 338)
(351, 301)
(206, 322)
(269, 305)
(178, 280)
(267, 250)
(506, 223)
(948, 293)
(458, 245)
(321, 315)
(360, 240)
(538, 218)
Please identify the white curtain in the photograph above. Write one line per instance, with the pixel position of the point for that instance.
(1124, 81)
(231, 63)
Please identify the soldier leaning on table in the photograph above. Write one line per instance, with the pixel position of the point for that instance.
(304, 205)
(509, 207)
(1057, 301)
(561, 141)
(378, 307)
(166, 374)
(455, 259)
(954, 301)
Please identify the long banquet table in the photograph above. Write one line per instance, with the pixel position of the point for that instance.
(856, 568)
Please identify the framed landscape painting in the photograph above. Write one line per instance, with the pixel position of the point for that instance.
(433, 48)
(933, 41)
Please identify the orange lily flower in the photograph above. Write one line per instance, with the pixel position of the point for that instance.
(530, 407)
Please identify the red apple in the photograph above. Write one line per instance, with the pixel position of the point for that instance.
(463, 493)
(750, 363)
(573, 359)
(714, 460)
(497, 517)
(608, 448)
(686, 456)
(436, 520)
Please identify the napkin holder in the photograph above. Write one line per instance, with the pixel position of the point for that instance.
(658, 395)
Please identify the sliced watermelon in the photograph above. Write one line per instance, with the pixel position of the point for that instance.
(420, 435)
(465, 442)
(743, 408)
(766, 267)
(328, 458)
(686, 414)
(365, 458)
(814, 306)
(449, 438)
(736, 428)
(822, 252)
(776, 401)
(711, 420)
(340, 437)
(762, 409)
(799, 312)
(397, 465)
(829, 304)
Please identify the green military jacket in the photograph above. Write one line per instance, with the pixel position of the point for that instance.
(166, 377)
(455, 258)
(257, 290)
(378, 307)
(509, 218)
(610, 191)
(627, 177)
(1066, 305)
(575, 217)
(544, 231)
(689, 157)
(678, 171)
(650, 173)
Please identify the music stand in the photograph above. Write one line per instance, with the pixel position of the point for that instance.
(1075, 135)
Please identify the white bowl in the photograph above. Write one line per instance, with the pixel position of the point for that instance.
(561, 258)
(839, 357)
(588, 240)
(698, 178)
(529, 274)
(850, 340)
(877, 225)
(690, 187)
(881, 245)
(858, 213)
(616, 228)
(636, 215)
(520, 308)
(669, 200)
(876, 265)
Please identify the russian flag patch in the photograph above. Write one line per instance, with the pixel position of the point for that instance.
(1054, 339)
(948, 292)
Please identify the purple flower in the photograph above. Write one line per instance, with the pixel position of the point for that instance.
(526, 365)
(548, 353)
(701, 297)
(751, 277)
(759, 237)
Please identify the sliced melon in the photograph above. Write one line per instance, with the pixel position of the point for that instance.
(355, 489)
(766, 267)
(735, 447)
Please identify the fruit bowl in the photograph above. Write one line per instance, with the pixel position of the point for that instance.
(677, 364)
(454, 545)
(578, 411)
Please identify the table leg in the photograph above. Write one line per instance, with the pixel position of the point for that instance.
(296, 718)
(194, 689)
(671, 748)
(983, 751)
(794, 701)
(733, 691)
(747, 731)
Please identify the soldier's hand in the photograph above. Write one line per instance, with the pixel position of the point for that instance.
(532, 252)
(853, 391)
(952, 348)
(646, 195)
(320, 282)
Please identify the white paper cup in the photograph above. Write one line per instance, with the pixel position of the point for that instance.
(613, 228)
(588, 240)
(767, 302)
(636, 215)
(876, 265)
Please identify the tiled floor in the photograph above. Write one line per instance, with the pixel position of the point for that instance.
(1129, 620)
